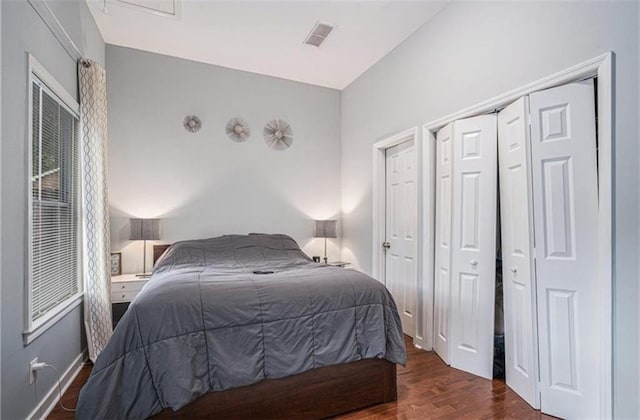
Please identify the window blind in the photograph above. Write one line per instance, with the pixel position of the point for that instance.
(55, 261)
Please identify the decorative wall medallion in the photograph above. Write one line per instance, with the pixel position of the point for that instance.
(278, 134)
(238, 130)
(192, 123)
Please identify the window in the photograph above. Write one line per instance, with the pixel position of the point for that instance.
(54, 228)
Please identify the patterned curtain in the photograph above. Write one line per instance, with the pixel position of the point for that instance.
(95, 210)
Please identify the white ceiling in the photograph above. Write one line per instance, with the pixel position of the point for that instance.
(266, 37)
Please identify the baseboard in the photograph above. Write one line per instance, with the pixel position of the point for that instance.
(48, 403)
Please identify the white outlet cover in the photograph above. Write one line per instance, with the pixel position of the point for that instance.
(33, 374)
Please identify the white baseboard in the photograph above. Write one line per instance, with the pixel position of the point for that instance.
(48, 403)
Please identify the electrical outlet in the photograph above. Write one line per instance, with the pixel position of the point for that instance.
(33, 373)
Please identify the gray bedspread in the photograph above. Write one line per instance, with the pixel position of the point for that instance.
(206, 322)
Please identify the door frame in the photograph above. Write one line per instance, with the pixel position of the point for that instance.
(424, 321)
(602, 68)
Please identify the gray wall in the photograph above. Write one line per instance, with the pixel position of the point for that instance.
(471, 52)
(203, 184)
(23, 31)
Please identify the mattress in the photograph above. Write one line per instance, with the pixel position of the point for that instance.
(232, 311)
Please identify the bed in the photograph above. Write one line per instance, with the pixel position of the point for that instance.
(248, 326)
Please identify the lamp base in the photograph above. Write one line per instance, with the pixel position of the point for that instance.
(325, 251)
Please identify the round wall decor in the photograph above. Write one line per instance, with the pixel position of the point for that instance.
(192, 123)
(278, 134)
(238, 130)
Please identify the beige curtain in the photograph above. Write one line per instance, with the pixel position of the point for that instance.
(95, 207)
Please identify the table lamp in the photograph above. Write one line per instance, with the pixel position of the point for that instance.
(144, 230)
(325, 229)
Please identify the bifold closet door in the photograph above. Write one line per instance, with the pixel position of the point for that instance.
(563, 150)
(473, 238)
(442, 276)
(518, 279)
(401, 231)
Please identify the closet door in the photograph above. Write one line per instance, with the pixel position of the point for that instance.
(442, 273)
(563, 146)
(401, 231)
(473, 244)
(518, 276)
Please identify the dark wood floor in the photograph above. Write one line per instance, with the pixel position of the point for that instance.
(427, 389)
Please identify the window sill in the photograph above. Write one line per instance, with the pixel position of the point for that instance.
(29, 335)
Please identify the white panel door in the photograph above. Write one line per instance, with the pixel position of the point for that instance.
(563, 149)
(401, 231)
(473, 249)
(442, 274)
(518, 276)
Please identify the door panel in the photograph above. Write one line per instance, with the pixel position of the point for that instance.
(563, 149)
(473, 249)
(401, 221)
(442, 278)
(562, 339)
(521, 342)
(468, 309)
(470, 210)
(558, 200)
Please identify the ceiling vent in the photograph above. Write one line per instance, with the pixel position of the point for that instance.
(170, 8)
(318, 34)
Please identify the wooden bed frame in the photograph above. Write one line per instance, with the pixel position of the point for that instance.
(158, 250)
(314, 394)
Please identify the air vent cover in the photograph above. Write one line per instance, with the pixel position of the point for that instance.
(159, 7)
(318, 34)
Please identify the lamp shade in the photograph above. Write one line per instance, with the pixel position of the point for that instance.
(325, 229)
(144, 229)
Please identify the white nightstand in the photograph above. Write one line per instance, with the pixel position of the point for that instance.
(341, 264)
(125, 287)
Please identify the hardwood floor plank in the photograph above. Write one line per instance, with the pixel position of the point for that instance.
(427, 389)
(70, 397)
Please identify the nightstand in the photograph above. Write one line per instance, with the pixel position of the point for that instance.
(341, 264)
(123, 289)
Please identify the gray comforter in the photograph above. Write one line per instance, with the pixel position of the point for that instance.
(206, 322)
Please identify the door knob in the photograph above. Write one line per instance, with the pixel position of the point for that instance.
(514, 270)
(474, 263)
(386, 245)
